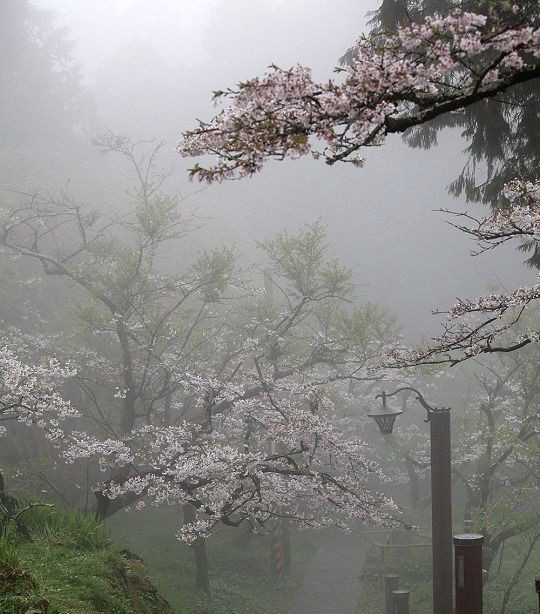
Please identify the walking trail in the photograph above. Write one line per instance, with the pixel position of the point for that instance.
(331, 583)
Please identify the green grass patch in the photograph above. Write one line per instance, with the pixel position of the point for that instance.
(239, 564)
(70, 567)
(75, 565)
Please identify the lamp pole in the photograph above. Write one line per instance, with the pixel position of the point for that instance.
(441, 494)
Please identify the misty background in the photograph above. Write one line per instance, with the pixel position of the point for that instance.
(149, 69)
(174, 336)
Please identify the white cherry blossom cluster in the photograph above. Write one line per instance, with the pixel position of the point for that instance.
(394, 82)
(29, 393)
(495, 303)
(523, 215)
(263, 457)
(109, 452)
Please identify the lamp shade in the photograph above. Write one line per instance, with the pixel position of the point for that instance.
(385, 418)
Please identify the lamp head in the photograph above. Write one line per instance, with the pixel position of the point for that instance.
(385, 417)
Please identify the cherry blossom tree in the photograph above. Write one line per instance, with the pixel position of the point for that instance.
(126, 336)
(200, 388)
(275, 455)
(254, 450)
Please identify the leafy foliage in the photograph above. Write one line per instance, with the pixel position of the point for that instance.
(300, 259)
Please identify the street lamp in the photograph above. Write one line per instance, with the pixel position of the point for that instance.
(441, 492)
(385, 417)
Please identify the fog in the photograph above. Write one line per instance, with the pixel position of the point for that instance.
(139, 369)
(152, 67)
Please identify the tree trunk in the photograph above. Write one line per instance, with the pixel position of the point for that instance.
(127, 421)
(2, 502)
(199, 549)
(286, 543)
(106, 507)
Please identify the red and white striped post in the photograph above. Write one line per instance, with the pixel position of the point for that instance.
(277, 553)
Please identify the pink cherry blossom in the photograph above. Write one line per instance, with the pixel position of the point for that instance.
(393, 83)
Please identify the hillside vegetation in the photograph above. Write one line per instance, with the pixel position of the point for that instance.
(70, 565)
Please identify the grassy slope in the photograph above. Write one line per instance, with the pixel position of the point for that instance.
(239, 565)
(71, 567)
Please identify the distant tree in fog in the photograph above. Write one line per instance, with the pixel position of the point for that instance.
(41, 95)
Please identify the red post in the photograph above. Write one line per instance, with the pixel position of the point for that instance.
(468, 573)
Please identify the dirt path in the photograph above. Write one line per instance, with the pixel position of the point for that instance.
(331, 584)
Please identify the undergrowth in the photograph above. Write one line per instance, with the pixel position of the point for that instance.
(239, 565)
(70, 566)
(73, 565)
